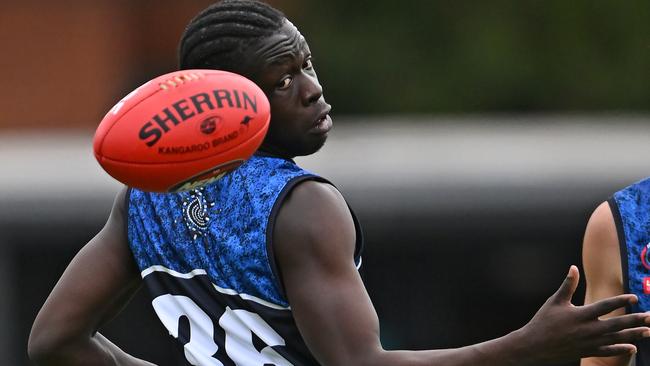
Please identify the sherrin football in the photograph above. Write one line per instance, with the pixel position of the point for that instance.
(182, 130)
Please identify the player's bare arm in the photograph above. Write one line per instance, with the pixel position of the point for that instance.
(100, 279)
(602, 264)
(339, 324)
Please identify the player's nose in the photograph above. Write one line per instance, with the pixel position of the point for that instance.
(312, 91)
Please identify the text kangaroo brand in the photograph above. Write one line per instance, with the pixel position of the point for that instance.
(180, 111)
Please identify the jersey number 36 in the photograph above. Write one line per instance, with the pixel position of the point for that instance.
(237, 327)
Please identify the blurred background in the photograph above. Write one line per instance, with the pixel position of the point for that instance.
(472, 138)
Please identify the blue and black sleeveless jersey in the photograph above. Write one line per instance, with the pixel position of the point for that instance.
(206, 256)
(631, 209)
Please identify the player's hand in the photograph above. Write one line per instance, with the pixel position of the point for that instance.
(561, 331)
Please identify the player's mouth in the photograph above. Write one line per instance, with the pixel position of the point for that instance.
(323, 122)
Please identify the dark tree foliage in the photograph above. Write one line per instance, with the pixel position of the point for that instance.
(479, 56)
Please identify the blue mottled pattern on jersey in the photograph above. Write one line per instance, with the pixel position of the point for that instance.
(232, 248)
(634, 207)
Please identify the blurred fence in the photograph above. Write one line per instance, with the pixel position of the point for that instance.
(470, 222)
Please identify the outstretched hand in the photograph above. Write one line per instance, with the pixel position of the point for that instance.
(561, 331)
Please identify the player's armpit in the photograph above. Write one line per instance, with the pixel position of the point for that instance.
(99, 281)
(603, 273)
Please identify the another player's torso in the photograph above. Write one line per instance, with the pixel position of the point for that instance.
(631, 210)
(205, 258)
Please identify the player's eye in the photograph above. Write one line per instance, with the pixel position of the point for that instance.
(284, 83)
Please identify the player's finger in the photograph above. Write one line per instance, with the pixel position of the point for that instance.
(618, 323)
(624, 336)
(607, 305)
(613, 350)
(568, 287)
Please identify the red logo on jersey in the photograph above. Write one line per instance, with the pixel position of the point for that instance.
(644, 256)
(646, 285)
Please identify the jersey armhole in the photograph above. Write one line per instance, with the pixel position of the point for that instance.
(277, 277)
(622, 245)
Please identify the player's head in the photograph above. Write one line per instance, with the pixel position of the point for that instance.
(255, 40)
(218, 37)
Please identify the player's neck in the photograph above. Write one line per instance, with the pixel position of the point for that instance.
(272, 151)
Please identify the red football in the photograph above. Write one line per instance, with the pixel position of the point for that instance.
(182, 130)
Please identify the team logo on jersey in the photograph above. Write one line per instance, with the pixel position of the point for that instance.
(644, 256)
(196, 212)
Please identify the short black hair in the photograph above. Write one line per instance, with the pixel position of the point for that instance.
(219, 35)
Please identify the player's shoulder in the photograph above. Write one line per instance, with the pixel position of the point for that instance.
(315, 215)
(602, 215)
(314, 199)
(600, 233)
(313, 190)
(119, 203)
(116, 220)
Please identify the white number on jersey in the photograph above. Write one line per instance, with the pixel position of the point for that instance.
(238, 325)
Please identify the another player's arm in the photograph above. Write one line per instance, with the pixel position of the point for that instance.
(97, 284)
(601, 258)
(314, 241)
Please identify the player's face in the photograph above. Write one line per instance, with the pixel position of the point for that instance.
(283, 68)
